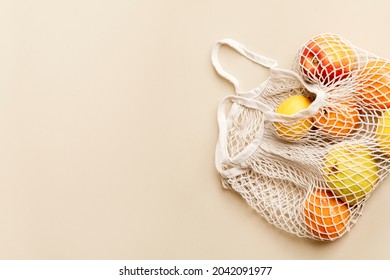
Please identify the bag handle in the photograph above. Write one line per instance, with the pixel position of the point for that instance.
(241, 49)
(225, 123)
(274, 71)
(222, 155)
(247, 99)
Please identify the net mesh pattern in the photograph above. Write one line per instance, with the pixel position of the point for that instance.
(312, 177)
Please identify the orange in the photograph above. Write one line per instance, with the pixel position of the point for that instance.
(338, 119)
(373, 87)
(325, 216)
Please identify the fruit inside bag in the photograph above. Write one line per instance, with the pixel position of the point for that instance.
(307, 148)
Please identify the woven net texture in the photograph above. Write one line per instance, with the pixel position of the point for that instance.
(312, 177)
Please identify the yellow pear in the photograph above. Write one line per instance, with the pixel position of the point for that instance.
(383, 132)
(351, 172)
(298, 129)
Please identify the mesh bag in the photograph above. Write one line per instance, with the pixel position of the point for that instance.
(308, 146)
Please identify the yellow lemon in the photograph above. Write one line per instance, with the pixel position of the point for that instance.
(383, 132)
(298, 129)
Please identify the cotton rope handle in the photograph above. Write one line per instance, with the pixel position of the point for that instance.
(276, 72)
(246, 98)
(224, 123)
(259, 59)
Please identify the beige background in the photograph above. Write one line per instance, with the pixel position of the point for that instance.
(108, 127)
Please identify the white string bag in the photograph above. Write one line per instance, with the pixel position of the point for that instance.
(307, 172)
